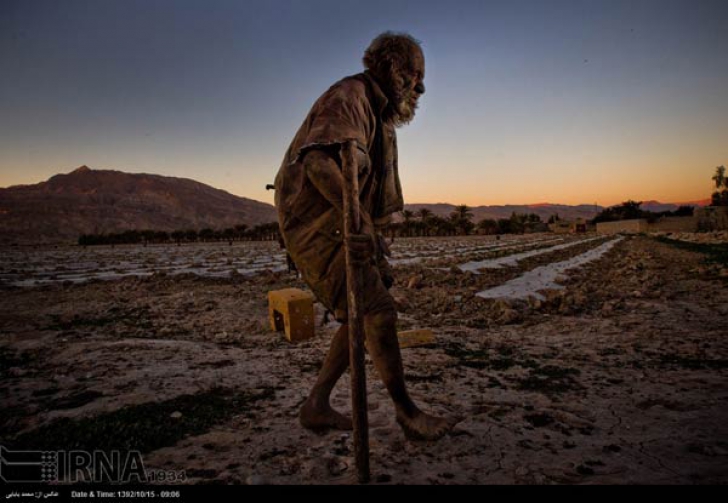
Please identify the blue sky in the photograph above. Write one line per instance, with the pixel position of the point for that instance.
(584, 101)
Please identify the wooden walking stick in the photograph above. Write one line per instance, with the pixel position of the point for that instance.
(354, 278)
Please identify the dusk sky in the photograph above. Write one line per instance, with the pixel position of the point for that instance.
(583, 101)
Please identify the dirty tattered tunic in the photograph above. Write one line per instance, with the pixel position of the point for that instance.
(310, 222)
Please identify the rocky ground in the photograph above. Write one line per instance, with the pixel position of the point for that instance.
(714, 237)
(621, 377)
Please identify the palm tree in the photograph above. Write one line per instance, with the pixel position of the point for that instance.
(518, 223)
(425, 220)
(240, 230)
(463, 212)
(407, 215)
(191, 235)
(206, 234)
(178, 236)
(447, 228)
(488, 226)
(229, 234)
(720, 197)
(719, 177)
(461, 216)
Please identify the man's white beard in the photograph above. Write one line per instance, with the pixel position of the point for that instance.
(406, 109)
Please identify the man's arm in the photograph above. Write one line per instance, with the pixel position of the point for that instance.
(325, 174)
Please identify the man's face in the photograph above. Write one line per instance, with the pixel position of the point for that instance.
(414, 87)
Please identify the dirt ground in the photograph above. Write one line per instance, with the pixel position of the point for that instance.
(620, 378)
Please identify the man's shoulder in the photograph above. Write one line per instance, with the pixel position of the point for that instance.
(353, 87)
(356, 82)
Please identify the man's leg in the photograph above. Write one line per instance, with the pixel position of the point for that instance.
(316, 412)
(383, 345)
(380, 329)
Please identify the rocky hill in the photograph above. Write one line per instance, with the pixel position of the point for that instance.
(95, 201)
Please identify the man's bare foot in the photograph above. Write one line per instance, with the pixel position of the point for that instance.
(421, 426)
(315, 417)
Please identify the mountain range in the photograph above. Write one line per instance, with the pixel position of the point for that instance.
(87, 201)
(544, 210)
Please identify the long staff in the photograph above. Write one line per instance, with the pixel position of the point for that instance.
(356, 326)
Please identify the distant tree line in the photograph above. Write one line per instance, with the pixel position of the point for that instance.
(262, 232)
(630, 210)
(424, 223)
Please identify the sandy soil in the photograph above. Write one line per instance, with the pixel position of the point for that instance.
(620, 377)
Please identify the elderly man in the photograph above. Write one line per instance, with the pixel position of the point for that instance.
(365, 108)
